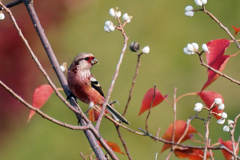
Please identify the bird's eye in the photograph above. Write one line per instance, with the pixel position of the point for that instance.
(87, 58)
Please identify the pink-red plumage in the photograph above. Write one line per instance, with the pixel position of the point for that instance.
(85, 87)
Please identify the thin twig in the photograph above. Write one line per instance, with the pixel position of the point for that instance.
(169, 154)
(233, 144)
(185, 132)
(216, 71)
(149, 111)
(187, 94)
(185, 146)
(174, 123)
(123, 142)
(40, 112)
(133, 82)
(237, 145)
(211, 154)
(228, 150)
(158, 131)
(207, 131)
(187, 126)
(115, 75)
(117, 123)
(232, 137)
(174, 116)
(222, 26)
(81, 154)
(11, 4)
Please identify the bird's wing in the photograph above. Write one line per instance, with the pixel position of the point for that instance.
(96, 85)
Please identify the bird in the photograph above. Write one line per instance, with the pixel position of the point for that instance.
(85, 87)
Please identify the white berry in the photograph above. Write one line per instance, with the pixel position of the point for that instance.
(198, 2)
(126, 17)
(188, 8)
(189, 13)
(198, 107)
(2, 16)
(195, 46)
(221, 107)
(221, 121)
(226, 129)
(108, 23)
(204, 1)
(146, 50)
(218, 101)
(224, 115)
(205, 47)
(106, 29)
(111, 28)
(230, 123)
(190, 47)
(118, 14)
(112, 12)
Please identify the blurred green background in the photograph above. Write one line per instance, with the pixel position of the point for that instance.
(77, 26)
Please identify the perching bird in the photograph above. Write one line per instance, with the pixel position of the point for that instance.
(85, 87)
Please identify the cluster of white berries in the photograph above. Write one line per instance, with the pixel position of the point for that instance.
(189, 9)
(2, 16)
(218, 101)
(221, 106)
(127, 18)
(115, 13)
(191, 48)
(109, 26)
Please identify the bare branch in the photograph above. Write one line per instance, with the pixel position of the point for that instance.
(133, 82)
(222, 26)
(149, 111)
(40, 112)
(115, 75)
(123, 142)
(216, 71)
(12, 4)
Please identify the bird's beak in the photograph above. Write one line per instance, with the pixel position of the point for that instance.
(94, 61)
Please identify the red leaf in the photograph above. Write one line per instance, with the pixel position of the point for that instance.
(146, 102)
(40, 96)
(93, 114)
(113, 146)
(236, 30)
(180, 128)
(191, 154)
(227, 144)
(208, 98)
(216, 59)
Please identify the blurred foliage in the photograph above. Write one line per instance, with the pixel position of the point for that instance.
(77, 26)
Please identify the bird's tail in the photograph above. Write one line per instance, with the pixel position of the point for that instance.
(117, 116)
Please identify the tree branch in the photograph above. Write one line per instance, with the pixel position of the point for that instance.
(115, 75)
(12, 4)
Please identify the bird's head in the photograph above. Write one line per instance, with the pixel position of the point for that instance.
(83, 61)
